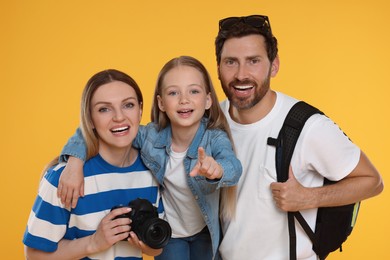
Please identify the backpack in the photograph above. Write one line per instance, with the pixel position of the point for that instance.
(333, 224)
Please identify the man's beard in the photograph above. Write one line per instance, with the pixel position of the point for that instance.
(247, 102)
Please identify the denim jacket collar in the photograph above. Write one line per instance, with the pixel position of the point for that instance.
(165, 139)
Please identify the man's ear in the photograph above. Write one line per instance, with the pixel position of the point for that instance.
(275, 66)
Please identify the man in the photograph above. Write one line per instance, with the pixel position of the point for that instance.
(247, 58)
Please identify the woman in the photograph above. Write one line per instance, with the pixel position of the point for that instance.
(111, 110)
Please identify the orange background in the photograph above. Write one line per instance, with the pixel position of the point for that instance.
(334, 54)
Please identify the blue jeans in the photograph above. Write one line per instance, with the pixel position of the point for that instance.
(196, 247)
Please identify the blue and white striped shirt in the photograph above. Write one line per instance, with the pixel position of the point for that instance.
(105, 186)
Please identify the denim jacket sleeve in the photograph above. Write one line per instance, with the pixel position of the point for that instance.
(221, 149)
(140, 138)
(223, 153)
(74, 147)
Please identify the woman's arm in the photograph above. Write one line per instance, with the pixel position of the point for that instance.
(109, 232)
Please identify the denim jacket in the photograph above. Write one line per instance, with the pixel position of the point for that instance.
(155, 148)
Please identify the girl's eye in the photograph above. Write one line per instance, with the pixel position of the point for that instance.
(195, 91)
(172, 93)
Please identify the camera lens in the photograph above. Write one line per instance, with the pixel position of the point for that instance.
(157, 233)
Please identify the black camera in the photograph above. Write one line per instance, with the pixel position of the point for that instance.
(146, 224)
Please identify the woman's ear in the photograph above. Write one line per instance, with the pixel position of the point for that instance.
(140, 112)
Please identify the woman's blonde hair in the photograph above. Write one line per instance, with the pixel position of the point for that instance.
(89, 134)
(216, 120)
(96, 81)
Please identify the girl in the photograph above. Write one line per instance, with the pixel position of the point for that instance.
(187, 126)
(111, 110)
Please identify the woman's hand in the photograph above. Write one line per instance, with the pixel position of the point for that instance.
(133, 240)
(110, 230)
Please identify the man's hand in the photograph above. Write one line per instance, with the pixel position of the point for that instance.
(289, 195)
(206, 166)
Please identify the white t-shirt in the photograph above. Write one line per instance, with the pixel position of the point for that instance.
(260, 229)
(181, 210)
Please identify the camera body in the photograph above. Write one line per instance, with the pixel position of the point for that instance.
(146, 224)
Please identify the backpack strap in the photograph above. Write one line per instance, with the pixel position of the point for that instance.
(285, 145)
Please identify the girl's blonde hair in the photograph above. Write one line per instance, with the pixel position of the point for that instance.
(216, 120)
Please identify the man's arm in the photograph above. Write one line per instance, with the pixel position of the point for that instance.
(362, 183)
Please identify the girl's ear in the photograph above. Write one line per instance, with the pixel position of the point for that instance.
(160, 103)
(209, 101)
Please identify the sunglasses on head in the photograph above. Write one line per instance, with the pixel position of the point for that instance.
(257, 21)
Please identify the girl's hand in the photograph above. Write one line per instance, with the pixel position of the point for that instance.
(71, 184)
(206, 166)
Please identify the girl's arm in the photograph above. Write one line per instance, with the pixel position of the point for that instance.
(75, 147)
(71, 184)
(223, 153)
(207, 166)
(218, 163)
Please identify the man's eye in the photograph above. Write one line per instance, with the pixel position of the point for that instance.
(229, 62)
(255, 61)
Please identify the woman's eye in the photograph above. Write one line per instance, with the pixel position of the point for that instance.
(129, 105)
(103, 109)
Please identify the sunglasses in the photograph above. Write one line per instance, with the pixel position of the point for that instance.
(257, 21)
